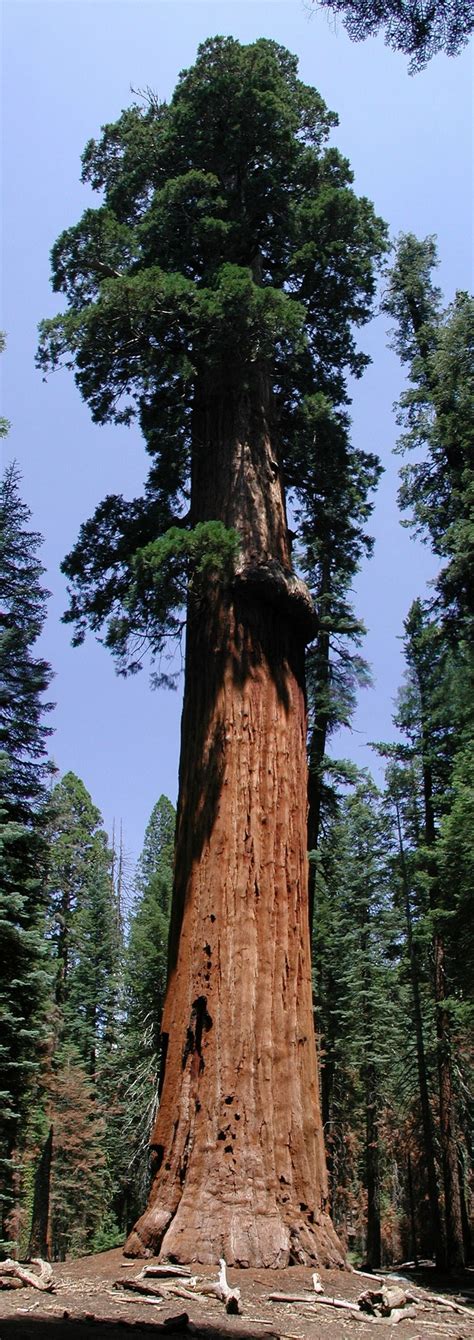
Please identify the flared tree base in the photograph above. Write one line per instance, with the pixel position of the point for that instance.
(241, 1234)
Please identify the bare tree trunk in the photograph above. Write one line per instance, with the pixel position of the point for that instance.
(428, 1137)
(239, 1157)
(411, 1202)
(447, 1105)
(40, 1232)
(374, 1237)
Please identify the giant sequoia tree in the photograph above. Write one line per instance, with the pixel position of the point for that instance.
(214, 293)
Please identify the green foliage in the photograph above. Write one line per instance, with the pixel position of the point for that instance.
(357, 993)
(419, 30)
(456, 872)
(24, 679)
(84, 932)
(145, 975)
(436, 412)
(213, 257)
(165, 574)
(24, 676)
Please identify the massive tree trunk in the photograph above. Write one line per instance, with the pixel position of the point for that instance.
(238, 1146)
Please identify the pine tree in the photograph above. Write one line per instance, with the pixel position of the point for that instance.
(23, 770)
(215, 293)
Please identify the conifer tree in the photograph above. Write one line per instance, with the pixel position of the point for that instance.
(83, 922)
(23, 770)
(215, 293)
(357, 1003)
(80, 1182)
(437, 491)
(145, 975)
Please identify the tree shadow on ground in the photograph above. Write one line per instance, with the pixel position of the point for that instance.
(60, 1328)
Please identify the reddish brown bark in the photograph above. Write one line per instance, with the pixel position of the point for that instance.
(238, 1144)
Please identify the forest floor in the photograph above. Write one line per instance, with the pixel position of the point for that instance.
(89, 1304)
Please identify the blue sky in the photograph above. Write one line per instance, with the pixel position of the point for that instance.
(69, 66)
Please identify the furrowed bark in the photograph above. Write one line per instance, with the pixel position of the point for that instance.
(239, 1158)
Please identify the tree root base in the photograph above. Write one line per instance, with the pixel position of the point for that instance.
(242, 1239)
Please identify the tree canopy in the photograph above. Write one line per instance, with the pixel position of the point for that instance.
(229, 233)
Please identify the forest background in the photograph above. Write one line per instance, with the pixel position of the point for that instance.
(361, 820)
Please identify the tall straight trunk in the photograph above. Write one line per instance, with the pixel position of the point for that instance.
(411, 1202)
(447, 1104)
(238, 1147)
(428, 1137)
(374, 1235)
(40, 1232)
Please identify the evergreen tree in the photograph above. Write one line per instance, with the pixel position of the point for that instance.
(340, 480)
(147, 950)
(437, 490)
(145, 974)
(79, 1070)
(80, 1182)
(436, 411)
(404, 802)
(83, 922)
(357, 996)
(216, 293)
(24, 679)
(24, 676)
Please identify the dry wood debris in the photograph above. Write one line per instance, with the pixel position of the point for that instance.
(17, 1272)
(392, 1304)
(219, 1288)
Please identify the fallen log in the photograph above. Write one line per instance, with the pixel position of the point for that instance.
(136, 1286)
(43, 1281)
(163, 1270)
(447, 1302)
(142, 1298)
(309, 1299)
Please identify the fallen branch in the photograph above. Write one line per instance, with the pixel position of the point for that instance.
(308, 1299)
(219, 1289)
(447, 1302)
(135, 1286)
(122, 1298)
(43, 1281)
(162, 1271)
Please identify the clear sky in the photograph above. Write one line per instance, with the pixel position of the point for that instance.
(69, 67)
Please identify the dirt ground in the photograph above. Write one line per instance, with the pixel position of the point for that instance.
(88, 1305)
